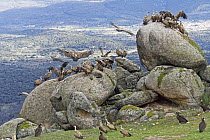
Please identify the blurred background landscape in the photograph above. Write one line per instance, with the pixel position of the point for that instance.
(32, 30)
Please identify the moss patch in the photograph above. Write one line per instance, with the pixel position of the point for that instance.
(160, 78)
(192, 42)
(132, 107)
(125, 93)
(26, 125)
(150, 114)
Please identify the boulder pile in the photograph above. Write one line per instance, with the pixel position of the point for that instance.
(176, 72)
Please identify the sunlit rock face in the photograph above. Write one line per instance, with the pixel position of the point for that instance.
(158, 45)
(179, 85)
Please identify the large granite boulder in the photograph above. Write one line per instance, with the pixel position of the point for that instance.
(81, 112)
(37, 106)
(138, 98)
(158, 45)
(97, 87)
(9, 129)
(179, 85)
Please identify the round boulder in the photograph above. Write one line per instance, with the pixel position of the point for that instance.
(158, 45)
(179, 85)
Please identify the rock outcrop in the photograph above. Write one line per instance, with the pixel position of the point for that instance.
(81, 112)
(8, 129)
(125, 79)
(97, 87)
(179, 85)
(138, 98)
(37, 106)
(158, 45)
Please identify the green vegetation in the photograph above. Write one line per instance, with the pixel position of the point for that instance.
(192, 42)
(160, 78)
(167, 128)
(126, 107)
(150, 114)
(26, 125)
(205, 97)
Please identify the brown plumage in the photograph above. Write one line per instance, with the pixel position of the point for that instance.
(67, 72)
(182, 29)
(181, 118)
(56, 71)
(61, 76)
(109, 62)
(155, 17)
(180, 14)
(168, 14)
(64, 64)
(173, 23)
(146, 19)
(166, 21)
(101, 62)
(101, 136)
(202, 125)
(99, 66)
(121, 54)
(102, 128)
(76, 55)
(87, 68)
(38, 130)
(124, 132)
(102, 52)
(38, 81)
(48, 75)
(119, 29)
(56, 59)
(204, 107)
(77, 134)
(77, 69)
(110, 126)
(23, 93)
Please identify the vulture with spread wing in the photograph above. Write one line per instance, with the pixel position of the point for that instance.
(76, 55)
(120, 29)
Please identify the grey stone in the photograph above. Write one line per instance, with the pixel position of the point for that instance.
(130, 112)
(37, 106)
(205, 74)
(121, 75)
(61, 117)
(141, 84)
(150, 115)
(158, 45)
(26, 129)
(138, 98)
(8, 129)
(112, 115)
(96, 88)
(81, 112)
(128, 64)
(179, 85)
